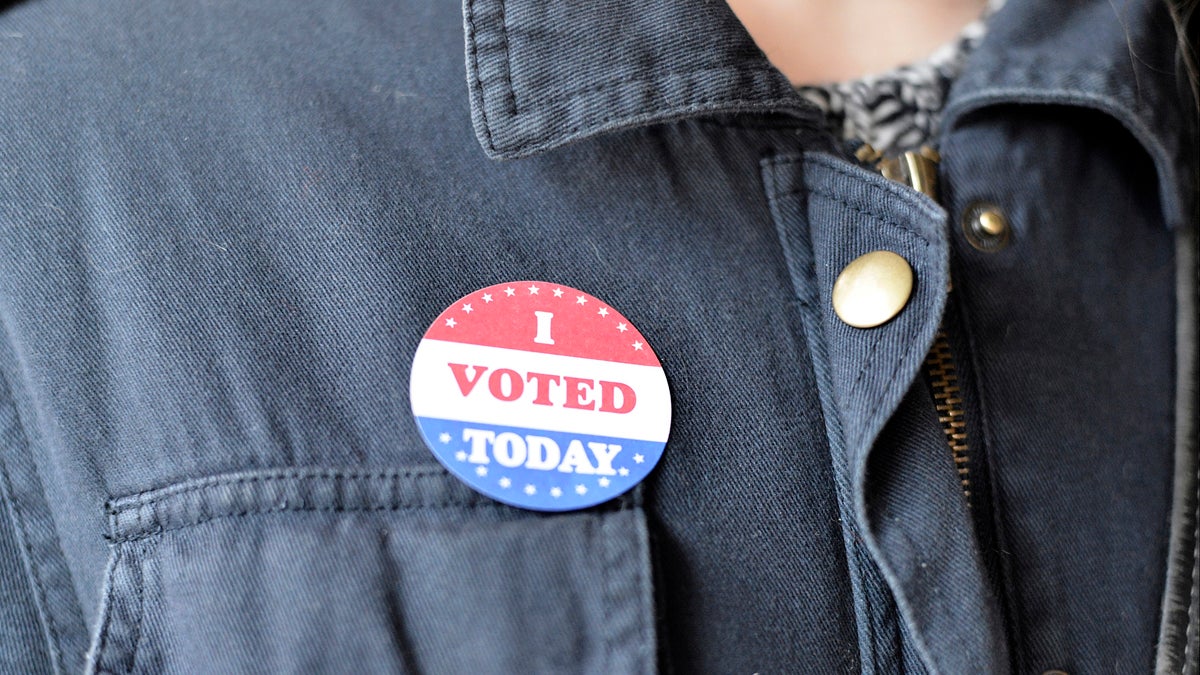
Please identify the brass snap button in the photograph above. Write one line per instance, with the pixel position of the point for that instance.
(872, 289)
(986, 227)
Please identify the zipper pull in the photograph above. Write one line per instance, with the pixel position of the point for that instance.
(915, 168)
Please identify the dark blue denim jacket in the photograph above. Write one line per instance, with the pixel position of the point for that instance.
(225, 226)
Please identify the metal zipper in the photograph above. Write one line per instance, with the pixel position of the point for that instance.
(918, 170)
(948, 401)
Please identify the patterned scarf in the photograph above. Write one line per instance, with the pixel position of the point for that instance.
(900, 109)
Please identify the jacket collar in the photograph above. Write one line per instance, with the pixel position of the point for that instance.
(544, 74)
(1115, 57)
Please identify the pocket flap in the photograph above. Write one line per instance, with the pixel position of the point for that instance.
(392, 571)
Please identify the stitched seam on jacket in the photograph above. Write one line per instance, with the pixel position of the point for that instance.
(301, 509)
(1190, 631)
(1186, 342)
(138, 500)
(621, 506)
(870, 214)
(56, 652)
(508, 83)
(871, 362)
(474, 54)
(659, 116)
(106, 620)
(868, 604)
(34, 572)
(568, 96)
(140, 594)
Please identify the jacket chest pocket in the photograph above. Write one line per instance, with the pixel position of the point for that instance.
(406, 571)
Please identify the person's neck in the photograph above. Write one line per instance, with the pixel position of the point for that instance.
(820, 41)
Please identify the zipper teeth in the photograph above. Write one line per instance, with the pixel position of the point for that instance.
(947, 397)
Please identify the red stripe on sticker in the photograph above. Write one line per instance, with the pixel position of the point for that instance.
(541, 317)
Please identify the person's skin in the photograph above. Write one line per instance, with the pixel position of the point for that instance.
(820, 41)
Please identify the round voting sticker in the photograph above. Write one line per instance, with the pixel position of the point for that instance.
(540, 396)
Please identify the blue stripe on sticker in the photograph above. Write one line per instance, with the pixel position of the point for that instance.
(537, 469)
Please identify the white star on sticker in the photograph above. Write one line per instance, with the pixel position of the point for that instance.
(487, 297)
(533, 290)
(637, 346)
(481, 471)
(444, 437)
(603, 482)
(451, 322)
(603, 311)
(558, 293)
(581, 489)
(579, 300)
(639, 459)
(623, 471)
(460, 456)
(505, 482)
(509, 291)
(555, 492)
(467, 308)
(530, 490)
(622, 327)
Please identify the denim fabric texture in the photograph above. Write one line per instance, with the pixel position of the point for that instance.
(224, 228)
